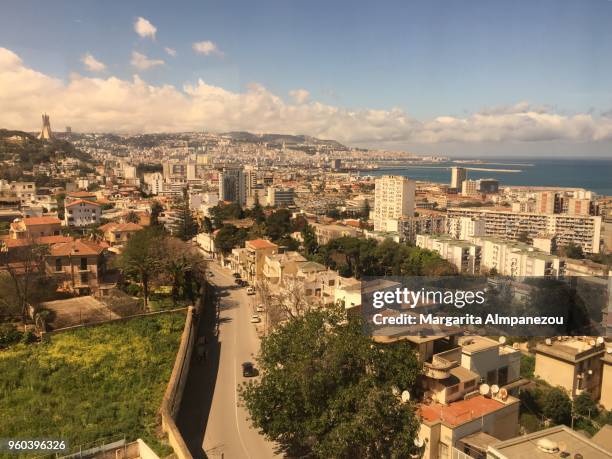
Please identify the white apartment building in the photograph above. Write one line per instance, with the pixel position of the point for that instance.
(394, 198)
(427, 222)
(470, 188)
(82, 213)
(458, 176)
(465, 227)
(584, 230)
(154, 183)
(280, 196)
(465, 256)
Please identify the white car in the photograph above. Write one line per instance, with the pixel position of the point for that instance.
(250, 290)
(259, 308)
(255, 319)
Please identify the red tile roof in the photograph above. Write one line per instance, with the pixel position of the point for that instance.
(121, 227)
(32, 221)
(78, 247)
(460, 411)
(43, 240)
(261, 244)
(79, 201)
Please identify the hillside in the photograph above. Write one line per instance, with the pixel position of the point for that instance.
(241, 136)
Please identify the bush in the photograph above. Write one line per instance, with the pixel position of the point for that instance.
(557, 406)
(584, 405)
(527, 366)
(529, 422)
(8, 335)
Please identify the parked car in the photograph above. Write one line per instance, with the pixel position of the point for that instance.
(236, 275)
(255, 319)
(259, 308)
(238, 281)
(251, 291)
(248, 370)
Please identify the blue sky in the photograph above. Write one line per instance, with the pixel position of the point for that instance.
(427, 58)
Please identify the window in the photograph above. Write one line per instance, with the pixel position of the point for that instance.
(469, 384)
(453, 389)
(58, 264)
(83, 263)
(84, 278)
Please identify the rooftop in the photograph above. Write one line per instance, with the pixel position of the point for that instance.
(261, 244)
(572, 349)
(78, 248)
(461, 411)
(564, 438)
(32, 221)
(83, 201)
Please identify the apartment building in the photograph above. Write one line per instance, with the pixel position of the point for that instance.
(606, 379)
(280, 266)
(426, 222)
(505, 224)
(572, 363)
(281, 197)
(465, 256)
(394, 198)
(249, 261)
(119, 233)
(466, 227)
(232, 185)
(326, 233)
(458, 176)
(82, 213)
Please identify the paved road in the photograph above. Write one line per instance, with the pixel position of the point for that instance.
(210, 408)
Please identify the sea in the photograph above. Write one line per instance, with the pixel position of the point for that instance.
(591, 174)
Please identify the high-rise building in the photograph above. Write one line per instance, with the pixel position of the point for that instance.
(547, 202)
(469, 188)
(45, 132)
(458, 176)
(280, 196)
(232, 185)
(394, 198)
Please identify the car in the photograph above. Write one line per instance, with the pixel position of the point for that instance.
(243, 283)
(238, 281)
(250, 291)
(210, 274)
(259, 308)
(248, 370)
(236, 275)
(255, 319)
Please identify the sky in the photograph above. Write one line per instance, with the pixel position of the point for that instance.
(454, 77)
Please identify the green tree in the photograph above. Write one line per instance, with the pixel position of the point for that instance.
(184, 264)
(142, 258)
(327, 390)
(228, 237)
(584, 405)
(572, 250)
(557, 406)
(185, 227)
(132, 217)
(207, 225)
(310, 240)
(156, 210)
(278, 224)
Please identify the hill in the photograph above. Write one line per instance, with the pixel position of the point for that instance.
(241, 136)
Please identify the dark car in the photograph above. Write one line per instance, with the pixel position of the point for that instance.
(236, 275)
(248, 370)
(238, 281)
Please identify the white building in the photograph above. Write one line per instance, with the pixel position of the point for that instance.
(465, 256)
(280, 196)
(82, 213)
(465, 227)
(154, 183)
(394, 198)
(458, 176)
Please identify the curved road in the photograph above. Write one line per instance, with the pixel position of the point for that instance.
(211, 409)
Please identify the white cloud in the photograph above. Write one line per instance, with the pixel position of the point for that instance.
(142, 62)
(299, 95)
(144, 28)
(92, 64)
(112, 104)
(207, 48)
(170, 51)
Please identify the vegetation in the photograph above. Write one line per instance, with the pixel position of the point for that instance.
(571, 250)
(527, 366)
(185, 227)
(156, 210)
(91, 383)
(327, 391)
(228, 237)
(358, 257)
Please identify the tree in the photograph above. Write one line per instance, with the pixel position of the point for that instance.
(228, 237)
(185, 227)
(572, 250)
(156, 210)
(584, 405)
(207, 225)
(310, 240)
(132, 217)
(523, 236)
(278, 224)
(143, 257)
(327, 390)
(557, 406)
(184, 264)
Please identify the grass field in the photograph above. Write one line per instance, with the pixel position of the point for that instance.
(91, 383)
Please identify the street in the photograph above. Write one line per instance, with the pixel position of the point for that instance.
(225, 429)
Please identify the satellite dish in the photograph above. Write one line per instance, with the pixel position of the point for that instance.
(484, 389)
(502, 340)
(405, 396)
(418, 442)
(503, 393)
(600, 340)
(592, 342)
(548, 342)
(609, 350)
(494, 389)
(395, 391)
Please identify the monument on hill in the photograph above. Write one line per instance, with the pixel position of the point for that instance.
(45, 132)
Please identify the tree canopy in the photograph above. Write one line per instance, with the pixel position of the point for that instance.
(328, 391)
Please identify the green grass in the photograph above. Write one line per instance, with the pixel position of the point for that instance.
(91, 383)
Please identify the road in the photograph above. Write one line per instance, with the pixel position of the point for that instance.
(224, 426)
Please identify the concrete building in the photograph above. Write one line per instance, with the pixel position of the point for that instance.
(466, 227)
(426, 222)
(119, 233)
(606, 380)
(250, 260)
(458, 176)
(465, 256)
(78, 265)
(280, 266)
(82, 213)
(232, 185)
(558, 441)
(153, 183)
(470, 188)
(35, 227)
(572, 363)
(505, 224)
(394, 198)
(326, 233)
(281, 197)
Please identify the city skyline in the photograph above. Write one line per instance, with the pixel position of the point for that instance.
(453, 79)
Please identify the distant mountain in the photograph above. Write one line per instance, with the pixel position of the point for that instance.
(241, 136)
